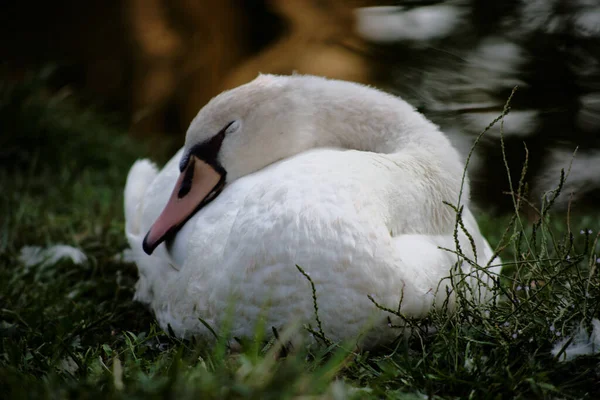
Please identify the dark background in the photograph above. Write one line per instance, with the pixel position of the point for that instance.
(154, 63)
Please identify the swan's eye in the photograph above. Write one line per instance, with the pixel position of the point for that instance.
(209, 150)
(232, 127)
(186, 184)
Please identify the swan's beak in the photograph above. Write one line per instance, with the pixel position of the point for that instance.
(198, 184)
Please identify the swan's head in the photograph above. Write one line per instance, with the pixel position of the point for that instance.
(238, 132)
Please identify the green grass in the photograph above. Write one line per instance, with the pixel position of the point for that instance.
(73, 331)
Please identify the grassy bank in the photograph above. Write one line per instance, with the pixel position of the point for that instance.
(72, 330)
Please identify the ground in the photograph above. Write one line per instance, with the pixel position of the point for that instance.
(73, 330)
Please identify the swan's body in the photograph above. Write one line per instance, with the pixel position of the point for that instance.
(359, 222)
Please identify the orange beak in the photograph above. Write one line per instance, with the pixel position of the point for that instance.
(197, 185)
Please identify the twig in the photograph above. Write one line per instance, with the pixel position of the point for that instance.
(315, 306)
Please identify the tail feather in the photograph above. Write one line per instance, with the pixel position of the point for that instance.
(140, 176)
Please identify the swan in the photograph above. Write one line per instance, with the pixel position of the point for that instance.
(342, 179)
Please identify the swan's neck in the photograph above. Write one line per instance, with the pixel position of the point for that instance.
(378, 123)
(372, 121)
(424, 157)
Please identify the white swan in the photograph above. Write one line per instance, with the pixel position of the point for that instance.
(342, 179)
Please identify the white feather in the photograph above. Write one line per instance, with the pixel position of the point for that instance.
(584, 166)
(346, 181)
(587, 22)
(35, 255)
(517, 123)
(582, 343)
(389, 24)
(588, 116)
(540, 15)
